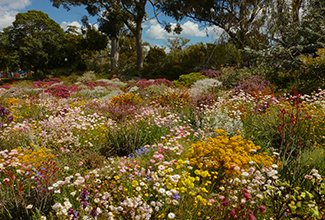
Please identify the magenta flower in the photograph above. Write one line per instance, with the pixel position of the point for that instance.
(233, 213)
(247, 196)
(262, 209)
(251, 217)
(225, 203)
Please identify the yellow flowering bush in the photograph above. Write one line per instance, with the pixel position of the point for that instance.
(30, 158)
(126, 99)
(223, 154)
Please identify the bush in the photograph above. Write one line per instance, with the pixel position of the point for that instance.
(188, 80)
(221, 154)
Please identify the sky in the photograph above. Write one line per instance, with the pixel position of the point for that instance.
(153, 32)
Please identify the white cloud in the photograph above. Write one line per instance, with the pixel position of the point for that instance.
(13, 4)
(8, 11)
(189, 29)
(156, 31)
(6, 18)
(65, 25)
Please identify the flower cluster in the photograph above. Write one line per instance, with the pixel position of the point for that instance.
(5, 116)
(222, 153)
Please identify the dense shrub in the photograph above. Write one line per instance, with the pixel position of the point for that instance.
(188, 80)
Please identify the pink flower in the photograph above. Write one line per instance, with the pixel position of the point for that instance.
(221, 197)
(308, 177)
(247, 196)
(152, 161)
(251, 217)
(233, 213)
(80, 163)
(262, 209)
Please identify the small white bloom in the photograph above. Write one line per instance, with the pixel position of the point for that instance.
(162, 190)
(171, 215)
(29, 206)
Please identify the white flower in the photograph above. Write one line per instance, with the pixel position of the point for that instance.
(97, 200)
(161, 167)
(275, 166)
(162, 190)
(168, 193)
(66, 168)
(29, 206)
(171, 215)
(175, 202)
(245, 174)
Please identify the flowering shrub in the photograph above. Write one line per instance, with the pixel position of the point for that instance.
(62, 91)
(254, 85)
(222, 154)
(126, 99)
(5, 116)
(206, 84)
(173, 99)
(93, 85)
(5, 86)
(45, 84)
(144, 83)
(25, 178)
(210, 73)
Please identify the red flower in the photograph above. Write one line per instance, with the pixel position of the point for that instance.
(225, 203)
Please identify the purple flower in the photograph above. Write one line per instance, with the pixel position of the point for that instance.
(73, 214)
(84, 195)
(94, 212)
(176, 196)
(84, 204)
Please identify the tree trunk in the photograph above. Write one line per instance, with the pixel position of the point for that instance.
(115, 52)
(138, 40)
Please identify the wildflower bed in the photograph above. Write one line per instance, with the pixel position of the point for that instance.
(108, 149)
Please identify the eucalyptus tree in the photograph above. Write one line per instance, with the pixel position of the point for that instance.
(243, 21)
(113, 15)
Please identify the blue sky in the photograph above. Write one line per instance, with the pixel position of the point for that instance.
(153, 32)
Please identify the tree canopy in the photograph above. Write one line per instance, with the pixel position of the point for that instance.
(38, 40)
(242, 20)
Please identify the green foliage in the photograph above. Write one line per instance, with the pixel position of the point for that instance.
(311, 75)
(38, 40)
(155, 55)
(242, 21)
(222, 54)
(177, 44)
(188, 80)
(231, 76)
